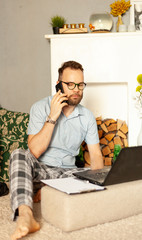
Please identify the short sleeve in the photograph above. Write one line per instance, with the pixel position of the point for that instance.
(92, 131)
(38, 114)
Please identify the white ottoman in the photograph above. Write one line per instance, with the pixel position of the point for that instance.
(72, 212)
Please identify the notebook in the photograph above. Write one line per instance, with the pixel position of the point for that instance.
(72, 185)
(127, 167)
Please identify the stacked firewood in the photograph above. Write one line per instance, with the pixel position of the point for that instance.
(111, 132)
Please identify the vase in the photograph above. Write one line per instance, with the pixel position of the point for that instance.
(119, 22)
(139, 138)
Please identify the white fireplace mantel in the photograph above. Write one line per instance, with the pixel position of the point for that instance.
(111, 63)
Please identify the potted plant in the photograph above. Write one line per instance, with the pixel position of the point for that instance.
(57, 22)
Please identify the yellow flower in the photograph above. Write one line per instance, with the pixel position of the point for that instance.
(139, 78)
(138, 88)
(119, 7)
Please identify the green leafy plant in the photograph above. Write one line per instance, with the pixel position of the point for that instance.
(58, 21)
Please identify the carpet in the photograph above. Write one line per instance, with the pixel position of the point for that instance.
(129, 228)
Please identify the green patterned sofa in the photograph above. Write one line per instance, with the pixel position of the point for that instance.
(13, 135)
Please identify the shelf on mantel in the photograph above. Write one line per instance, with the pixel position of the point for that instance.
(86, 35)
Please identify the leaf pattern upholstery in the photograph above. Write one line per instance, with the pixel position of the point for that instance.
(13, 135)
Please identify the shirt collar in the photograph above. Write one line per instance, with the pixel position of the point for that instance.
(76, 112)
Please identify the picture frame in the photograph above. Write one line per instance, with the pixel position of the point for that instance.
(136, 14)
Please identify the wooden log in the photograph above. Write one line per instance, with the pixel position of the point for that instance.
(99, 122)
(108, 161)
(103, 126)
(111, 145)
(99, 118)
(107, 122)
(100, 132)
(121, 134)
(125, 142)
(103, 141)
(113, 121)
(117, 140)
(124, 128)
(106, 150)
(109, 136)
(119, 123)
(111, 155)
(112, 127)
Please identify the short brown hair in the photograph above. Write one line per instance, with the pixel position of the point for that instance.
(69, 64)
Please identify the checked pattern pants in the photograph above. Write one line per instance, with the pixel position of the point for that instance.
(25, 170)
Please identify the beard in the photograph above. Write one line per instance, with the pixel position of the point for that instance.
(72, 101)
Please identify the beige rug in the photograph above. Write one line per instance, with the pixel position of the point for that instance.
(125, 229)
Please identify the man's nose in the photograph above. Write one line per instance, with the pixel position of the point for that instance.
(76, 88)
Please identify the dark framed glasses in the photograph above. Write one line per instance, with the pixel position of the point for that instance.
(72, 85)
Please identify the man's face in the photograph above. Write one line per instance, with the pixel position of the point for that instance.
(76, 76)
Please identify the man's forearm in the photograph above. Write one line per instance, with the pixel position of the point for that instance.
(97, 163)
(96, 158)
(39, 142)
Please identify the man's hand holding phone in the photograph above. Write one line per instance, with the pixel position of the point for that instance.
(57, 104)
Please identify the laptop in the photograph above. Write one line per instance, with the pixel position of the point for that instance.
(127, 167)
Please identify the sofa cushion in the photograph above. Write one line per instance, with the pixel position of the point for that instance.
(13, 134)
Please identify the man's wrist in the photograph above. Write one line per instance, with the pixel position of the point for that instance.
(50, 120)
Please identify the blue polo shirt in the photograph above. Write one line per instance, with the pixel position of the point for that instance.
(68, 134)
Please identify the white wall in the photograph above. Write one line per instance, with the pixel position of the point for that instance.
(25, 53)
(110, 72)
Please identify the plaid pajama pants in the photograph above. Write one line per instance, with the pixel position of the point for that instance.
(25, 170)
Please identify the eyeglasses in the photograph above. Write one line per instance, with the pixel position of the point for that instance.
(72, 85)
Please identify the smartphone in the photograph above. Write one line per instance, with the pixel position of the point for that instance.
(59, 87)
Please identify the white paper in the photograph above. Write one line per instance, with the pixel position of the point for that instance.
(72, 185)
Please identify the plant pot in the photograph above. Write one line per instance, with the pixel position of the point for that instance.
(56, 30)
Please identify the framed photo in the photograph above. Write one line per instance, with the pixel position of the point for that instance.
(136, 14)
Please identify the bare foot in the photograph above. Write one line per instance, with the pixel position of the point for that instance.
(25, 223)
(37, 196)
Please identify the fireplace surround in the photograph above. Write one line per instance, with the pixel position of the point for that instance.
(111, 64)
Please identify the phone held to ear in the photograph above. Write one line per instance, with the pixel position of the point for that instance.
(60, 87)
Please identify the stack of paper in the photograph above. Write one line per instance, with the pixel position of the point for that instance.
(72, 185)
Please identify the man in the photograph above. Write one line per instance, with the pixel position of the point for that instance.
(57, 127)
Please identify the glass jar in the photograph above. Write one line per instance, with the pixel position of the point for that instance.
(100, 22)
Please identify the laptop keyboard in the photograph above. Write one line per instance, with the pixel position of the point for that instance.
(93, 176)
(100, 176)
